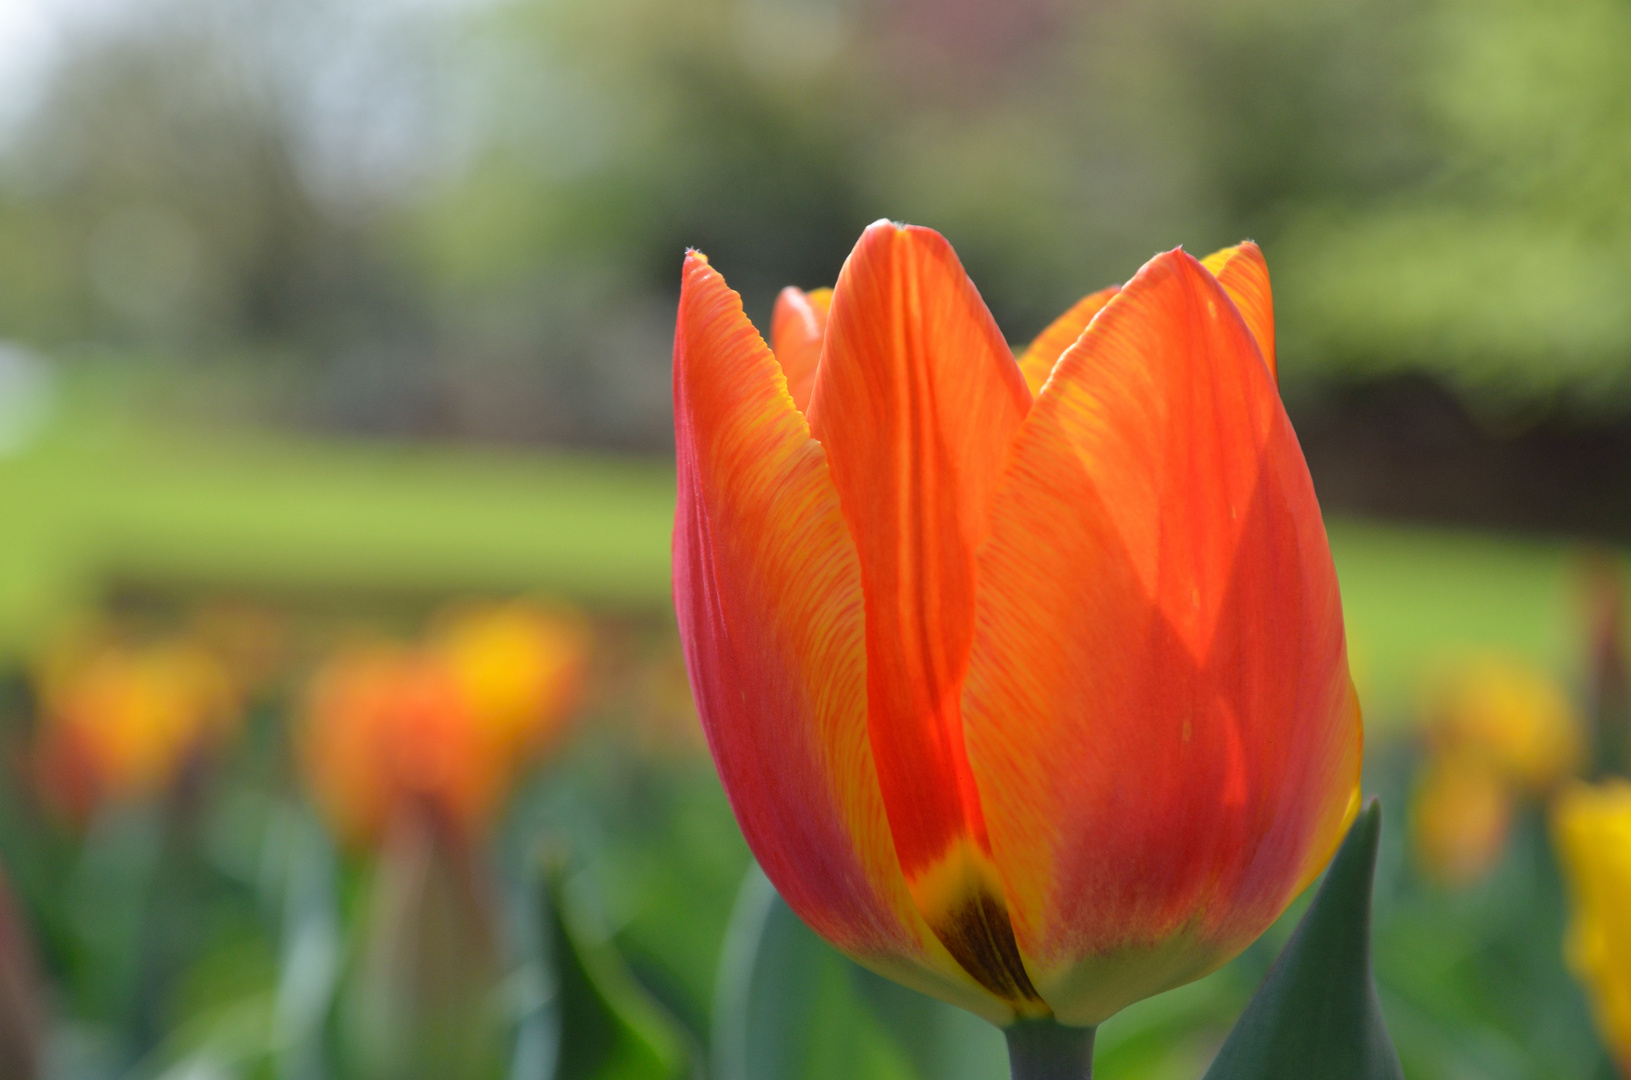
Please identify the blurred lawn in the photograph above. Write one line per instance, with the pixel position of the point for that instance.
(98, 500)
(101, 499)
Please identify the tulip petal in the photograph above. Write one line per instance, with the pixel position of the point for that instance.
(767, 588)
(1245, 277)
(796, 330)
(917, 402)
(1158, 710)
(1036, 362)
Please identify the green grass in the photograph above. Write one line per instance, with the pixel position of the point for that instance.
(1417, 598)
(98, 499)
(90, 505)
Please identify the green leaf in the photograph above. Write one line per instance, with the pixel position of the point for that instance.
(791, 1007)
(610, 1029)
(1316, 1016)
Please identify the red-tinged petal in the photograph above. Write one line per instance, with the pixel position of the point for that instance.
(768, 592)
(1158, 709)
(1036, 362)
(1245, 277)
(917, 402)
(796, 331)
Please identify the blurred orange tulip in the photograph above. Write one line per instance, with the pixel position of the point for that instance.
(1027, 679)
(1459, 819)
(445, 725)
(121, 722)
(1592, 828)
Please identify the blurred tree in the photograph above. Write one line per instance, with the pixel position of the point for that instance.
(1505, 268)
(467, 218)
(159, 200)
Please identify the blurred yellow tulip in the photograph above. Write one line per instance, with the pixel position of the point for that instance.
(1511, 714)
(1498, 729)
(121, 722)
(1592, 829)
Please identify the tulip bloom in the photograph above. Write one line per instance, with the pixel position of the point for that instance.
(122, 723)
(1512, 716)
(1498, 729)
(1459, 817)
(443, 727)
(1026, 678)
(1592, 827)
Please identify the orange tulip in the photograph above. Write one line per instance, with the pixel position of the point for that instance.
(445, 726)
(1027, 680)
(1459, 819)
(121, 723)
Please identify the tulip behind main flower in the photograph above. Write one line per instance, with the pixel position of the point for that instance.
(1039, 704)
(444, 727)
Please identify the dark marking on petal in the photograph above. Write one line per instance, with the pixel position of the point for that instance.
(979, 936)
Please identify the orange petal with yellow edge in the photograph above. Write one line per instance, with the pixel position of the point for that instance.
(797, 328)
(917, 402)
(1245, 277)
(767, 587)
(1036, 362)
(1158, 710)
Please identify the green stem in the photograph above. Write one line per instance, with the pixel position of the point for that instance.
(1048, 1050)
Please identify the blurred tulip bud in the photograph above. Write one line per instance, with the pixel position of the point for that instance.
(123, 723)
(424, 1003)
(446, 725)
(1459, 819)
(1513, 716)
(21, 1019)
(1592, 829)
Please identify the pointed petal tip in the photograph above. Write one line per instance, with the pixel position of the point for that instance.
(1244, 275)
(892, 229)
(1172, 261)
